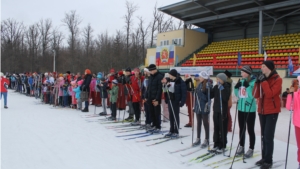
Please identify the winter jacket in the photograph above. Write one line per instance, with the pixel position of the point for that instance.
(86, 83)
(271, 90)
(113, 94)
(65, 88)
(30, 81)
(179, 95)
(103, 89)
(203, 98)
(93, 84)
(60, 85)
(189, 84)
(225, 94)
(13, 78)
(135, 87)
(154, 88)
(246, 104)
(296, 109)
(77, 92)
(3, 81)
(144, 87)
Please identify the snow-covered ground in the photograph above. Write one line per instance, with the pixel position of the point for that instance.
(37, 136)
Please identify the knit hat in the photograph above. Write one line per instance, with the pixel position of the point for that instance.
(247, 69)
(115, 81)
(173, 72)
(102, 79)
(60, 75)
(120, 73)
(270, 64)
(228, 74)
(87, 71)
(204, 75)
(197, 75)
(128, 69)
(99, 76)
(146, 70)
(112, 70)
(222, 76)
(152, 67)
(80, 82)
(68, 72)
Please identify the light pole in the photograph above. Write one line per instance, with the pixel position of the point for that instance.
(53, 60)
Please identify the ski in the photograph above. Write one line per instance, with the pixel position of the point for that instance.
(275, 164)
(132, 129)
(212, 154)
(146, 135)
(119, 126)
(237, 159)
(226, 159)
(196, 158)
(169, 139)
(151, 139)
(135, 134)
(192, 152)
(183, 149)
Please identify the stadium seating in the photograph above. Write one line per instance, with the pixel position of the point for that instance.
(278, 49)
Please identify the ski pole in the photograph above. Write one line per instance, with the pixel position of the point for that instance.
(237, 103)
(222, 132)
(196, 94)
(173, 114)
(288, 143)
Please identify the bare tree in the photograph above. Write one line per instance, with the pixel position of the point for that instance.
(56, 43)
(144, 34)
(130, 9)
(33, 42)
(45, 34)
(154, 24)
(88, 42)
(72, 22)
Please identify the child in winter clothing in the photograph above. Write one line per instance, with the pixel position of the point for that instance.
(60, 92)
(3, 88)
(65, 88)
(202, 106)
(103, 94)
(77, 94)
(135, 90)
(221, 94)
(246, 110)
(113, 99)
(72, 93)
(175, 97)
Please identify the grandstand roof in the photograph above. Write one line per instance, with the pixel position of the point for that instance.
(214, 14)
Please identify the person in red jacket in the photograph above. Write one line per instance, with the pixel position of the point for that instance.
(3, 88)
(135, 87)
(267, 90)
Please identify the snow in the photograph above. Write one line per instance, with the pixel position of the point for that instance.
(38, 136)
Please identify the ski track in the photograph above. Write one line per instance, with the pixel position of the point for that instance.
(36, 136)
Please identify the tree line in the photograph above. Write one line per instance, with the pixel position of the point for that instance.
(31, 48)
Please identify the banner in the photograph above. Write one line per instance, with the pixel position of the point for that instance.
(165, 55)
(193, 70)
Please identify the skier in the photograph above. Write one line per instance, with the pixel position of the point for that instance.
(135, 89)
(113, 99)
(3, 88)
(221, 95)
(229, 80)
(246, 110)
(189, 98)
(121, 105)
(202, 106)
(86, 87)
(267, 92)
(153, 97)
(175, 97)
(145, 104)
(129, 94)
(103, 94)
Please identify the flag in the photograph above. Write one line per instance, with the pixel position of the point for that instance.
(290, 65)
(265, 55)
(194, 59)
(239, 58)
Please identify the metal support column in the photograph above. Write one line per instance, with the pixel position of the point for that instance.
(260, 32)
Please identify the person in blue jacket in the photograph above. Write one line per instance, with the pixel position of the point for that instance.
(202, 106)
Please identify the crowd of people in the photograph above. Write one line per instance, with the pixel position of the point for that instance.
(162, 95)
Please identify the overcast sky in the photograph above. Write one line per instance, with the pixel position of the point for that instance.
(101, 14)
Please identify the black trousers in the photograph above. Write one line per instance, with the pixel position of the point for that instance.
(173, 127)
(137, 110)
(147, 112)
(268, 126)
(247, 120)
(220, 130)
(113, 109)
(202, 118)
(155, 112)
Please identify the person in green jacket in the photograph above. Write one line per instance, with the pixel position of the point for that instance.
(113, 99)
(246, 110)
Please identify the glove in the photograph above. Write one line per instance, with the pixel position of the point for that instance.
(6, 86)
(260, 78)
(246, 84)
(181, 104)
(238, 85)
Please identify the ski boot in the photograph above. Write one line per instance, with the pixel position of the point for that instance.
(197, 142)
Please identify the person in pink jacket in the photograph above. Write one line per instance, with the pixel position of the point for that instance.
(60, 91)
(92, 89)
(296, 116)
(3, 88)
